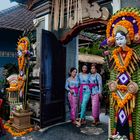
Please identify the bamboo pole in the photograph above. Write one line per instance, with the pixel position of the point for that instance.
(56, 14)
(26, 84)
(68, 13)
(75, 13)
(78, 11)
(62, 14)
(51, 15)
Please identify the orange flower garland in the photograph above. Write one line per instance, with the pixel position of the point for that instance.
(23, 45)
(21, 62)
(121, 14)
(13, 131)
(121, 68)
(123, 88)
(121, 103)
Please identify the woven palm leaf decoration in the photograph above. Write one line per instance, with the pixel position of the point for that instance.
(124, 82)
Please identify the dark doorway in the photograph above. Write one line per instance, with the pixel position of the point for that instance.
(52, 82)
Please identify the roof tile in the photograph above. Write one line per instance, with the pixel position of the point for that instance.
(17, 17)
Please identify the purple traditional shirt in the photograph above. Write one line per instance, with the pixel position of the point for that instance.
(72, 84)
(95, 81)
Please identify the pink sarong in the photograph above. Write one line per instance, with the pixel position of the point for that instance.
(95, 106)
(75, 89)
(73, 104)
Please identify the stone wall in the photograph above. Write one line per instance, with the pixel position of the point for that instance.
(39, 28)
(71, 55)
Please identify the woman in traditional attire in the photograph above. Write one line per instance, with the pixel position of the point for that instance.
(72, 84)
(95, 81)
(123, 32)
(84, 93)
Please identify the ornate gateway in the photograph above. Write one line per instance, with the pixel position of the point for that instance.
(123, 36)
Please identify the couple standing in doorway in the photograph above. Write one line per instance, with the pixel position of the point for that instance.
(80, 88)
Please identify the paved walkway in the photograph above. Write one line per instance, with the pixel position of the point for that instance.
(67, 131)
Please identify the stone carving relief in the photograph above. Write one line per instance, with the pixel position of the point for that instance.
(91, 11)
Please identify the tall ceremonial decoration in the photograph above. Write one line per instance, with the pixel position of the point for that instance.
(123, 37)
(23, 51)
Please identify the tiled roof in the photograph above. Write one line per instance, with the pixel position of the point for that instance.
(29, 3)
(85, 38)
(17, 18)
(20, 1)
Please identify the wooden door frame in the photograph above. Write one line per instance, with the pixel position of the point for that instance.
(78, 27)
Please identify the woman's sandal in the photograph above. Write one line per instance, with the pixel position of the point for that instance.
(78, 123)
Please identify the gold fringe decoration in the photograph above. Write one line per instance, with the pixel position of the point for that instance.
(134, 101)
(127, 106)
(114, 102)
(135, 56)
(130, 69)
(125, 110)
(134, 60)
(131, 106)
(117, 108)
(132, 65)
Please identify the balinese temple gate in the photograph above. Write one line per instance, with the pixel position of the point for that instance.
(57, 25)
(56, 47)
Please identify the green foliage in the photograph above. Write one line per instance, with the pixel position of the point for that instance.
(92, 49)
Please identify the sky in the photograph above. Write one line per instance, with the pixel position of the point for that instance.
(4, 4)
